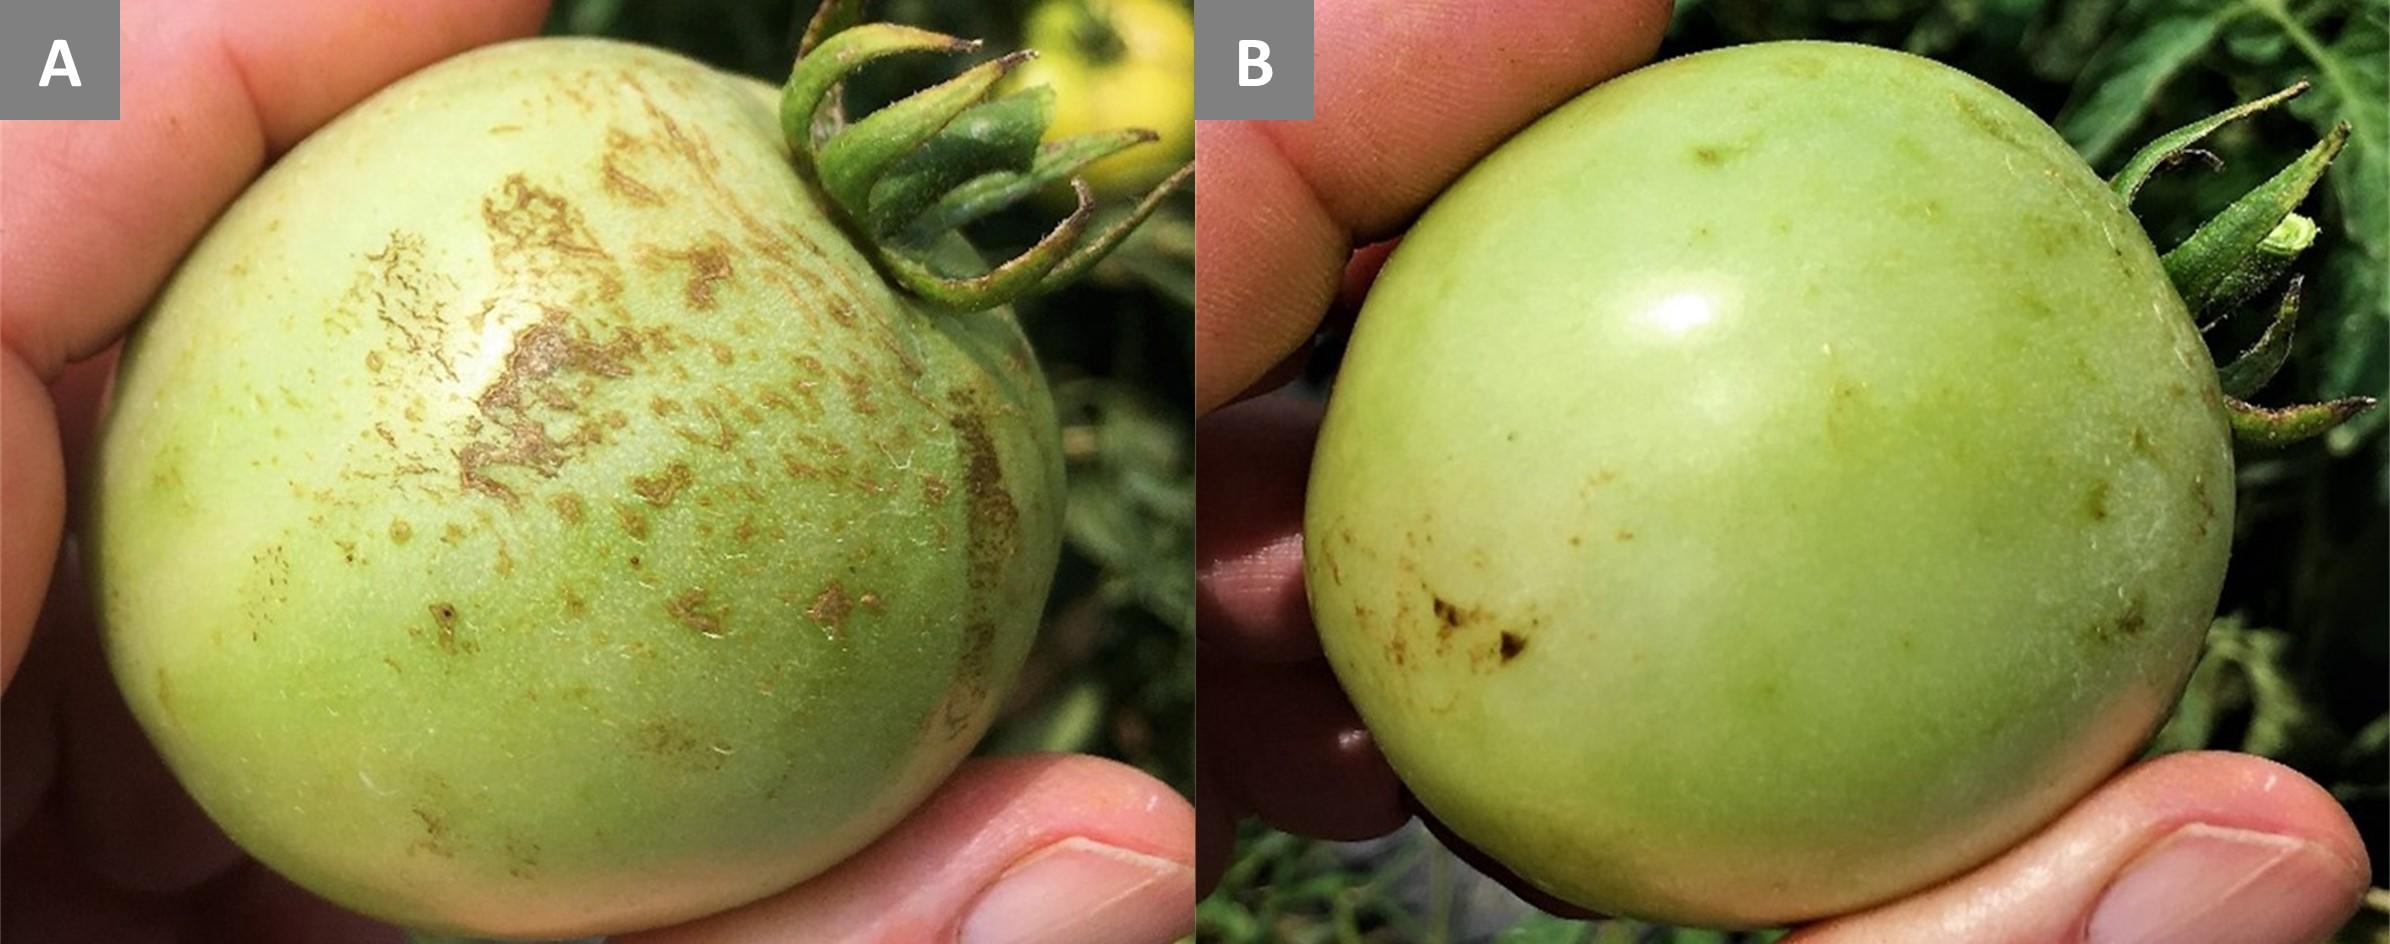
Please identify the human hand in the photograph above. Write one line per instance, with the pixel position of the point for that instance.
(101, 843)
(2201, 846)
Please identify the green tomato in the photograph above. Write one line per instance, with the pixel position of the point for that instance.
(1776, 481)
(526, 514)
(1117, 64)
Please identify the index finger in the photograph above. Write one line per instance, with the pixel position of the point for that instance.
(1407, 95)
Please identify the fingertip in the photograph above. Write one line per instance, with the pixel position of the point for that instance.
(2210, 838)
(1092, 848)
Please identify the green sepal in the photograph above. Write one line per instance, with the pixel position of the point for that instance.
(2204, 263)
(2257, 365)
(1012, 279)
(995, 190)
(1094, 250)
(854, 159)
(2274, 428)
(2261, 267)
(1001, 133)
(2172, 147)
(815, 79)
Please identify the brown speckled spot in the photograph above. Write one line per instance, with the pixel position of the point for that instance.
(568, 507)
(1511, 645)
(659, 489)
(830, 608)
(692, 610)
(400, 531)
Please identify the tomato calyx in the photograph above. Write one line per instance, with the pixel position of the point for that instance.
(2237, 254)
(907, 177)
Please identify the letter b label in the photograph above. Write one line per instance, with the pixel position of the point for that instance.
(1252, 62)
(1253, 59)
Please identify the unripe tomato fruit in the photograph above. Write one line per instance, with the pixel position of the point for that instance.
(526, 513)
(1778, 480)
(1117, 64)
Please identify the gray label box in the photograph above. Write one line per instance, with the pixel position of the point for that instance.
(1253, 59)
(59, 59)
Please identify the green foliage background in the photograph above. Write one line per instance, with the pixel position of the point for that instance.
(1113, 672)
(2296, 666)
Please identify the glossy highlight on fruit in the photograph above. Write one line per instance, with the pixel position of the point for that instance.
(1776, 481)
(528, 513)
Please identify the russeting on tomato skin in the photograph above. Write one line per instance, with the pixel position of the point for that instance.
(1778, 480)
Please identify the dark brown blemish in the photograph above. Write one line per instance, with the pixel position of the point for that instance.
(1511, 645)
(2095, 502)
(1448, 614)
(830, 608)
(444, 618)
(2141, 443)
(660, 489)
(2126, 625)
(691, 610)
(568, 507)
(435, 834)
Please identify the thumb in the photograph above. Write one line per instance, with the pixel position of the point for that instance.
(2198, 847)
(1012, 850)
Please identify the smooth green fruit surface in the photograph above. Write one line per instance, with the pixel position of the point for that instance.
(1779, 479)
(526, 513)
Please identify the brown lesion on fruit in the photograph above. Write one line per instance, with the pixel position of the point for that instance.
(2207, 504)
(1991, 126)
(569, 507)
(709, 267)
(543, 381)
(1717, 154)
(694, 610)
(435, 834)
(537, 236)
(659, 489)
(680, 742)
(992, 528)
(396, 287)
(445, 621)
(829, 610)
(614, 172)
(401, 531)
(631, 519)
(574, 604)
(1510, 646)
(2095, 501)
(2142, 444)
(2125, 625)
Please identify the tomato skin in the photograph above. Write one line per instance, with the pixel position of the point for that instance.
(1140, 76)
(1780, 479)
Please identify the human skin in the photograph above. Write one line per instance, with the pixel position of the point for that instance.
(2210, 840)
(101, 843)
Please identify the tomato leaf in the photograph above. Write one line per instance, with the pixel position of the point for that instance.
(2124, 78)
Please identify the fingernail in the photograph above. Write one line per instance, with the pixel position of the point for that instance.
(1083, 890)
(2207, 885)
